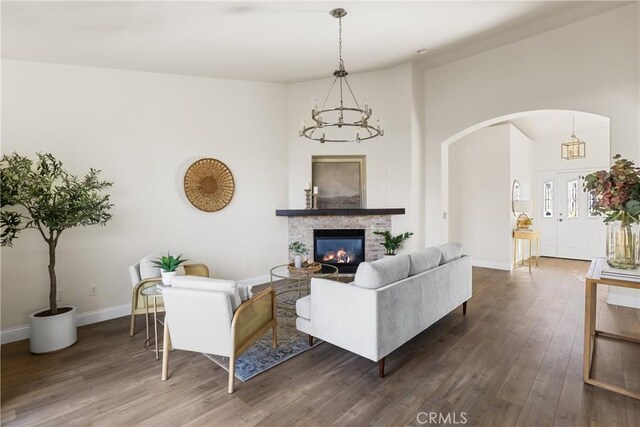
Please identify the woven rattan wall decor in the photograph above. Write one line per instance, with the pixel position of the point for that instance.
(209, 185)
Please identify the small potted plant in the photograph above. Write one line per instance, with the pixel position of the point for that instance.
(168, 267)
(298, 249)
(392, 243)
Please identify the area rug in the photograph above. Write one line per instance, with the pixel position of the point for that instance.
(261, 357)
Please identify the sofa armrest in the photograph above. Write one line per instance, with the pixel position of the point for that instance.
(345, 315)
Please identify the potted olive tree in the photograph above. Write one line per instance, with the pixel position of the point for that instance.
(43, 196)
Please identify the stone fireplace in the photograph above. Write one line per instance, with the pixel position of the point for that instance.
(303, 223)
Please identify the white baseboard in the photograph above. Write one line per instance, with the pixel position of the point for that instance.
(253, 281)
(14, 334)
(22, 332)
(623, 300)
(101, 315)
(491, 264)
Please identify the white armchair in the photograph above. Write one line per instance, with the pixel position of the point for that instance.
(140, 281)
(208, 316)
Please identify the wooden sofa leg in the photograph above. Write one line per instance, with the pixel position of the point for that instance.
(464, 308)
(381, 368)
(310, 340)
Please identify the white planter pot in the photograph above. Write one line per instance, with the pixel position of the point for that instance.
(168, 277)
(389, 256)
(297, 261)
(51, 333)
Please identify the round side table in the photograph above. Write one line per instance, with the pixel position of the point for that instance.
(300, 281)
(155, 293)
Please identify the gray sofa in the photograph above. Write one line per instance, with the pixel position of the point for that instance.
(390, 301)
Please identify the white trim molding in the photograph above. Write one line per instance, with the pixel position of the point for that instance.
(254, 281)
(22, 332)
(491, 264)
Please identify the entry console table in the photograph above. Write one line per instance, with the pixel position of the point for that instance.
(523, 235)
(592, 281)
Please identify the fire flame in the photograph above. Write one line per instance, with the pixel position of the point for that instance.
(339, 257)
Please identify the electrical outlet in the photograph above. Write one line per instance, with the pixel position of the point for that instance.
(93, 291)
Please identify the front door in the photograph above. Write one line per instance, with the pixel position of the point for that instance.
(569, 228)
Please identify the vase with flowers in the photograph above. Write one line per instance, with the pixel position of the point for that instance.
(617, 198)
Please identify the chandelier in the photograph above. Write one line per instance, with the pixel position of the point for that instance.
(574, 148)
(342, 116)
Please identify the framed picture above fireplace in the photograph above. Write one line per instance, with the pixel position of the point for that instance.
(341, 181)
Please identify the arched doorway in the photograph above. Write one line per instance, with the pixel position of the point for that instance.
(480, 163)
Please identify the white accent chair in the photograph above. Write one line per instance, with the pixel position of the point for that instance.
(209, 316)
(139, 283)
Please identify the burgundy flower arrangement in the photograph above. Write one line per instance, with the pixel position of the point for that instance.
(617, 198)
(617, 191)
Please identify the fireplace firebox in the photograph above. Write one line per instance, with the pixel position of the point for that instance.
(341, 248)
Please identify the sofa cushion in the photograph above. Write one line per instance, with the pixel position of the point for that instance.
(450, 251)
(229, 287)
(424, 260)
(303, 307)
(382, 272)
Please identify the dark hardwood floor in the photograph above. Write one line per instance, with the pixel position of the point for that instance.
(514, 359)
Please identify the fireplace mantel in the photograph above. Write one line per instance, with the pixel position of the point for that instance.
(340, 212)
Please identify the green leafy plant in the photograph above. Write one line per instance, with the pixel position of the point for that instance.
(617, 191)
(392, 243)
(169, 263)
(298, 248)
(42, 195)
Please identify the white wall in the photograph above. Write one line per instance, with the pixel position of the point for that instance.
(479, 195)
(591, 65)
(394, 161)
(547, 151)
(482, 167)
(521, 168)
(143, 130)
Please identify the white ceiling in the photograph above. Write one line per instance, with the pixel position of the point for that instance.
(268, 41)
(557, 122)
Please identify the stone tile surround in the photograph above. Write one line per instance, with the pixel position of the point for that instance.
(301, 229)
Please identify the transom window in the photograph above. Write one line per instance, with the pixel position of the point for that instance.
(547, 203)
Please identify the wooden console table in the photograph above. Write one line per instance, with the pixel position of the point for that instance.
(523, 235)
(592, 281)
